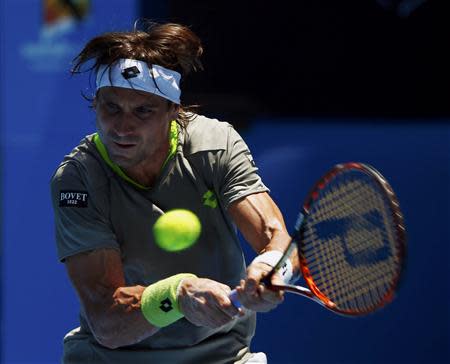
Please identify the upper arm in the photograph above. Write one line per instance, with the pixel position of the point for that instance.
(88, 245)
(260, 221)
(81, 213)
(238, 174)
(95, 276)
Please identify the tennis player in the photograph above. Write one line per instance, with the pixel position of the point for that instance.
(150, 154)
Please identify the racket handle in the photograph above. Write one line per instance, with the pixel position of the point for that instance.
(233, 296)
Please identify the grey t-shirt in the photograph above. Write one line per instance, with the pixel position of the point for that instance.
(96, 208)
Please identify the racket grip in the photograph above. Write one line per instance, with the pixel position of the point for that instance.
(233, 296)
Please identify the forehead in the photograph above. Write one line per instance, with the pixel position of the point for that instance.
(119, 94)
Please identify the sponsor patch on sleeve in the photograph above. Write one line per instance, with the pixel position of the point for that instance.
(250, 158)
(73, 198)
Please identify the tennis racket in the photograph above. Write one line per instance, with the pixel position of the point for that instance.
(351, 241)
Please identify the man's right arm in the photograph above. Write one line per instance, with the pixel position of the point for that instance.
(113, 310)
(87, 245)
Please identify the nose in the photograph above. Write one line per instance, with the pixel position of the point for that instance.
(123, 125)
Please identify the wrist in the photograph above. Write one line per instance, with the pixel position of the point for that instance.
(159, 302)
(184, 286)
(272, 257)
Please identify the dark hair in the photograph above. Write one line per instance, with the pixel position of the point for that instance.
(169, 45)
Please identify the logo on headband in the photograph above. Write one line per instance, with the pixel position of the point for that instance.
(130, 72)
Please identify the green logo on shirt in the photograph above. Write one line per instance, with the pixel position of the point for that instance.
(209, 199)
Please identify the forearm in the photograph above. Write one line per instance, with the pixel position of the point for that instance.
(113, 310)
(262, 225)
(118, 320)
(281, 244)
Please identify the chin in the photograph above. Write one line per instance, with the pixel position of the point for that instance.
(122, 161)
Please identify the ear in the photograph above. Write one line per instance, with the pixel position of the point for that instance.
(174, 109)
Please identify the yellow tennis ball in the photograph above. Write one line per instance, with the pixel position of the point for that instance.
(177, 230)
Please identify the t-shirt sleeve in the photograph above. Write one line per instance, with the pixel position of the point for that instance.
(239, 177)
(81, 217)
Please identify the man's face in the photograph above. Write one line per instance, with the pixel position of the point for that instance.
(133, 125)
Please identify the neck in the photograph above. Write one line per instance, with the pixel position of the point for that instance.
(146, 172)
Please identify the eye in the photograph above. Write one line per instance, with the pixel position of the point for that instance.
(111, 107)
(143, 111)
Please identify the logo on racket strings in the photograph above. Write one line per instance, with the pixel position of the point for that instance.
(363, 238)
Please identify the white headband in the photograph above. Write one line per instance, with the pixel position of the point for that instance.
(136, 75)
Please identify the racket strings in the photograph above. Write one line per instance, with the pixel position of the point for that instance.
(346, 285)
(351, 259)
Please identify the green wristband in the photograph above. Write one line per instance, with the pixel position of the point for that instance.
(159, 303)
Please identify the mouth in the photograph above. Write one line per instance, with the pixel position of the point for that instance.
(124, 145)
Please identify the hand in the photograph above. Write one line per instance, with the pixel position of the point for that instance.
(256, 296)
(205, 302)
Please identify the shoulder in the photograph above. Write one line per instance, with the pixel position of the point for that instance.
(204, 134)
(82, 165)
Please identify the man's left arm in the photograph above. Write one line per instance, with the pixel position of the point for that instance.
(260, 221)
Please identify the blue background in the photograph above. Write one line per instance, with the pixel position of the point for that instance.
(43, 116)
(415, 158)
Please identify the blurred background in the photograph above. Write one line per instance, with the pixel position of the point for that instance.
(308, 84)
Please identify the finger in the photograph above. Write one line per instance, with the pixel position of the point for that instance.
(209, 316)
(224, 303)
(263, 299)
(255, 303)
(248, 300)
(219, 307)
(255, 273)
(217, 317)
(250, 286)
(270, 295)
(225, 288)
(276, 279)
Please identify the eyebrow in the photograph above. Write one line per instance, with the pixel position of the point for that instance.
(113, 93)
(116, 100)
